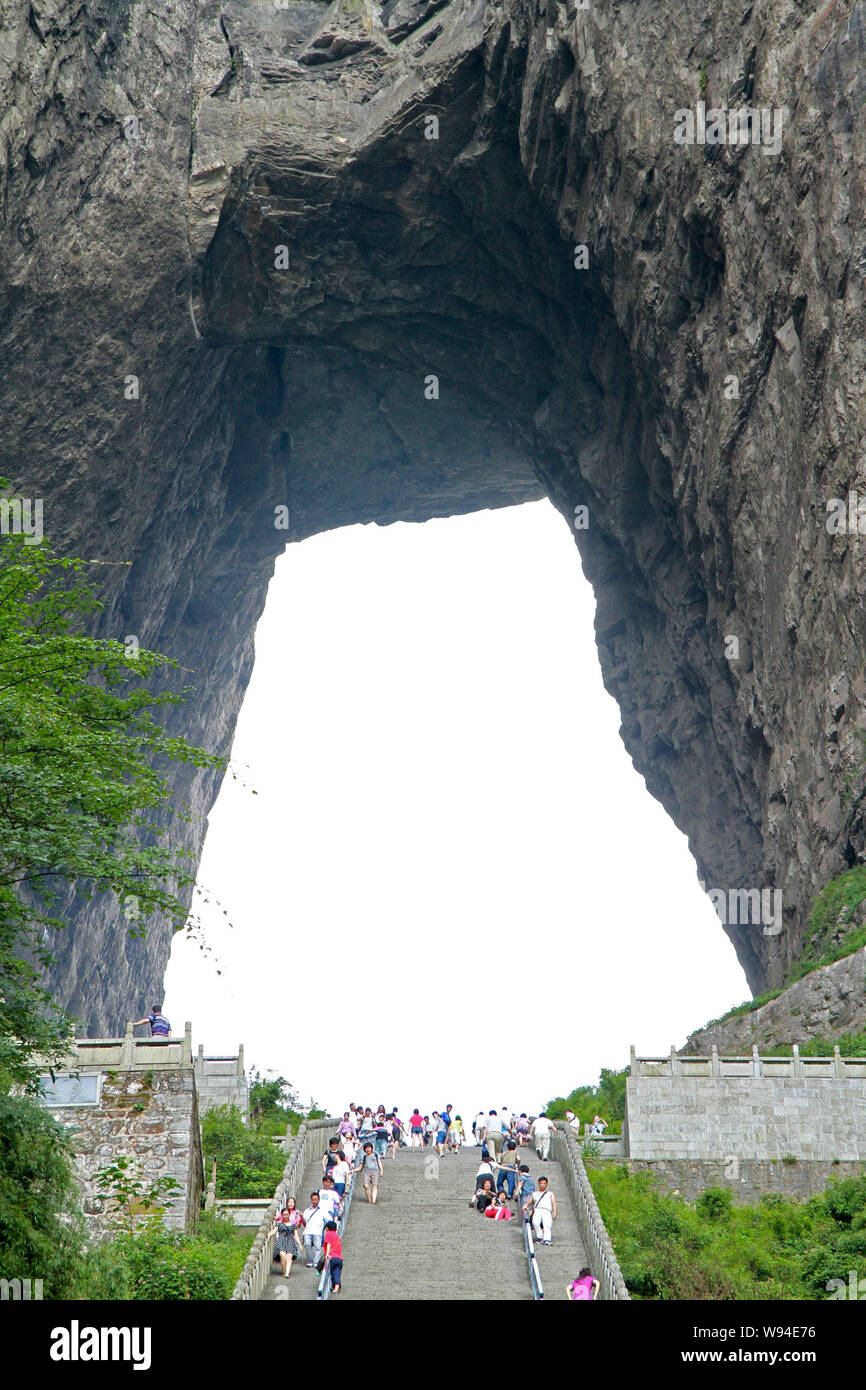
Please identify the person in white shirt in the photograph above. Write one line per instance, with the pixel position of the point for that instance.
(478, 1127)
(542, 1205)
(493, 1134)
(329, 1198)
(314, 1229)
(541, 1131)
(573, 1121)
(341, 1172)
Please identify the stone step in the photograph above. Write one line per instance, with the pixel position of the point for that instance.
(421, 1240)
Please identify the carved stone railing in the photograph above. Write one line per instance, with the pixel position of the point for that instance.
(256, 1272)
(833, 1068)
(602, 1260)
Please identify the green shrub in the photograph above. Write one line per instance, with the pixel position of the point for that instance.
(779, 1249)
(606, 1099)
(248, 1164)
(166, 1265)
(41, 1232)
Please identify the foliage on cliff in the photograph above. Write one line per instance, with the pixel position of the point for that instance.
(838, 929)
(85, 796)
(671, 1249)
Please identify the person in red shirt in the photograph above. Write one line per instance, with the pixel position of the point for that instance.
(333, 1248)
(416, 1128)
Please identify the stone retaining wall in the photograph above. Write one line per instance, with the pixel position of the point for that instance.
(748, 1180)
(151, 1116)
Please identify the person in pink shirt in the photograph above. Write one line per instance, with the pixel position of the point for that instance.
(584, 1288)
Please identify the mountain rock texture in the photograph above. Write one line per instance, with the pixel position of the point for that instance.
(824, 1004)
(385, 262)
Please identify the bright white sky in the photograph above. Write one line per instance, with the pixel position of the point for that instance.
(452, 885)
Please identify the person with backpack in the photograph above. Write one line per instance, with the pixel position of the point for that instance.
(508, 1170)
(371, 1165)
(314, 1228)
(541, 1131)
(584, 1288)
(381, 1134)
(331, 1156)
(492, 1135)
(527, 1185)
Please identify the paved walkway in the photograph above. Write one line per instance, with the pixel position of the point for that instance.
(422, 1241)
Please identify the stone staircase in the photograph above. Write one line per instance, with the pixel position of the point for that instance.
(421, 1240)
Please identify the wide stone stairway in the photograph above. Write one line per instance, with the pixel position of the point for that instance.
(421, 1240)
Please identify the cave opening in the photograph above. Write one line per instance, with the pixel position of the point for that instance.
(430, 804)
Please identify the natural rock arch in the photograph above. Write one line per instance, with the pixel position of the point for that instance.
(149, 245)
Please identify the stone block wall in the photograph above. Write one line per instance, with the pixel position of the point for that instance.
(746, 1117)
(222, 1081)
(748, 1180)
(151, 1116)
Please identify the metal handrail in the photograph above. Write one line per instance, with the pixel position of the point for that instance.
(324, 1290)
(529, 1246)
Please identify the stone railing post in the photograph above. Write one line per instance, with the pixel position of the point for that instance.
(715, 1064)
(127, 1050)
(798, 1064)
(634, 1065)
(675, 1062)
(838, 1068)
(756, 1061)
(186, 1046)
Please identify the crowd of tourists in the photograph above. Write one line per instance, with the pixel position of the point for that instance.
(504, 1186)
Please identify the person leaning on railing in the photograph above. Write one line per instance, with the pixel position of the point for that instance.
(333, 1255)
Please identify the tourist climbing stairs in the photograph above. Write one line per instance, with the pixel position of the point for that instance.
(423, 1240)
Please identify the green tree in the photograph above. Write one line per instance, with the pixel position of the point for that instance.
(86, 801)
(134, 1198)
(41, 1233)
(248, 1163)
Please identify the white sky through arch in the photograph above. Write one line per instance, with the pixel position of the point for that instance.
(451, 885)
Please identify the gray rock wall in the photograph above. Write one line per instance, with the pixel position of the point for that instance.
(153, 158)
(825, 1003)
(151, 1117)
(747, 1180)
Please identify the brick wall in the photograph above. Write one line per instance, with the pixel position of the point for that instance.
(748, 1117)
(151, 1116)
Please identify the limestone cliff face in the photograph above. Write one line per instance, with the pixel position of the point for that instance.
(824, 1004)
(429, 170)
